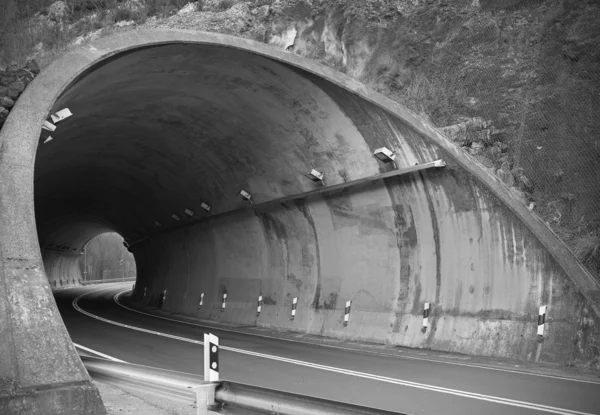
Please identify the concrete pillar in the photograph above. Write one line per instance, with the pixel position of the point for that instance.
(40, 371)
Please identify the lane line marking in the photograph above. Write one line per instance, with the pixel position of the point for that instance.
(498, 369)
(456, 392)
(107, 357)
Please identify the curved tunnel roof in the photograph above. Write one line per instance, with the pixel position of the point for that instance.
(166, 120)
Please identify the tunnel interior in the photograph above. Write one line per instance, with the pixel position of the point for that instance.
(161, 130)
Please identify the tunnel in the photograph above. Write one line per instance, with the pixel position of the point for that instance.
(168, 127)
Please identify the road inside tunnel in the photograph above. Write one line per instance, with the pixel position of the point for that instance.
(168, 127)
(396, 382)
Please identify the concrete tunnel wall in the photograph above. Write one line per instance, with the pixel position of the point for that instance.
(166, 120)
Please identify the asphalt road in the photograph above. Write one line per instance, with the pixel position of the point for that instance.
(391, 383)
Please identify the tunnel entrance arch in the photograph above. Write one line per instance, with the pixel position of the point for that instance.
(68, 223)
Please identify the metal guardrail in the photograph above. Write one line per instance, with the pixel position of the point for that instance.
(223, 397)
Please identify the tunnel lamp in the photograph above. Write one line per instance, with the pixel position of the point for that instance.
(205, 207)
(61, 115)
(174, 216)
(439, 163)
(48, 139)
(315, 175)
(189, 212)
(245, 195)
(384, 154)
(157, 224)
(48, 126)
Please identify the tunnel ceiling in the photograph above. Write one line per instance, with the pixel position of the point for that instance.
(162, 129)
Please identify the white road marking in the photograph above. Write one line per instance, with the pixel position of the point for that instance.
(465, 394)
(107, 357)
(498, 369)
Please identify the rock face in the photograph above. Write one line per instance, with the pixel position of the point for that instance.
(13, 82)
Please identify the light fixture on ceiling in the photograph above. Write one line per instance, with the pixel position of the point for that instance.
(245, 195)
(157, 224)
(189, 212)
(48, 126)
(61, 115)
(174, 216)
(315, 175)
(384, 154)
(206, 207)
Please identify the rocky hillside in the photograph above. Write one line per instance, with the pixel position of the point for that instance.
(515, 82)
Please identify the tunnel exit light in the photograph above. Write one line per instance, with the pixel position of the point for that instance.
(315, 175)
(206, 207)
(245, 195)
(174, 216)
(384, 154)
(189, 212)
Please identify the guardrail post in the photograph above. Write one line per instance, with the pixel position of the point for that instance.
(205, 397)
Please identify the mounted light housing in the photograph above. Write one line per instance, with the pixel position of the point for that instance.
(174, 216)
(206, 207)
(61, 115)
(245, 195)
(189, 212)
(315, 175)
(384, 154)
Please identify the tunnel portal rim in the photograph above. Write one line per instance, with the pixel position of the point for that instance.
(38, 99)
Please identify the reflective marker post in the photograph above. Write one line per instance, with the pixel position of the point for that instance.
(201, 303)
(541, 321)
(259, 306)
(294, 306)
(347, 312)
(426, 308)
(224, 303)
(211, 358)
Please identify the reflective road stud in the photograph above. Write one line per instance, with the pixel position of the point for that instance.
(259, 306)
(425, 316)
(541, 321)
(294, 306)
(211, 358)
(201, 303)
(224, 303)
(347, 312)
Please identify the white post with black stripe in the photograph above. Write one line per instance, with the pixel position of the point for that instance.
(224, 302)
(211, 358)
(426, 309)
(201, 302)
(294, 307)
(541, 321)
(259, 305)
(347, 312)
(164, 299)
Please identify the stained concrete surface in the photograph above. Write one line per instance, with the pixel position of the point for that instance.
(164, 121)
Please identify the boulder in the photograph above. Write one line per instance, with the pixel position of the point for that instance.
(3, 91)
(505, 175)
(187, 9)
(32, 66)
(476, 148)
(15, 89)
(3, 115)
(501, 146)
(6, 102)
